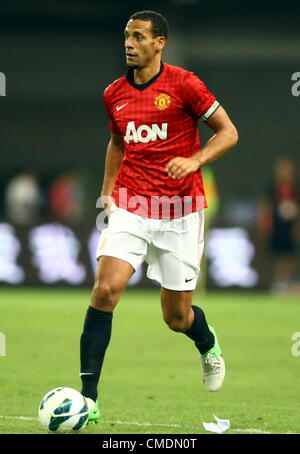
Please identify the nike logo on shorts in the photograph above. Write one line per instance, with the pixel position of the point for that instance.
(121, 107)
(188, 280)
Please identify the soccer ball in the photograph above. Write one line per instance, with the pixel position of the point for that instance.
(63, 409)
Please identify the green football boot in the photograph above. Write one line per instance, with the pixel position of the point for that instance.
(94, 412)
(213, 366)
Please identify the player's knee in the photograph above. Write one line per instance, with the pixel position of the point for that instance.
(105, 296)
(179, 322)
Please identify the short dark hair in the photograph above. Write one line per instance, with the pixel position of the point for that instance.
(159, 23)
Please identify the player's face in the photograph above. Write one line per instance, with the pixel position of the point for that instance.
(141, 46)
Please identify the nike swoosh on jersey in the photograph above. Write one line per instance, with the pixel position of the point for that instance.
(121, 107)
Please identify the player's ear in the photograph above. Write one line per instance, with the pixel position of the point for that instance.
(160, 43)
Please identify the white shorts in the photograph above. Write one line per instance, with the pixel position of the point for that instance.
(172, 248)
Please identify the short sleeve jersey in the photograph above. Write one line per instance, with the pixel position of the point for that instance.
(158, 122)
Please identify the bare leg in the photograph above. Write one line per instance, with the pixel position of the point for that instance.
(111, 279)
(181, 316)
(284, 268)
(177, 309)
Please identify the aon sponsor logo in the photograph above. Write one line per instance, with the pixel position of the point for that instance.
(145, 133)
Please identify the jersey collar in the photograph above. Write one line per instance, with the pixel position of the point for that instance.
(130, 78)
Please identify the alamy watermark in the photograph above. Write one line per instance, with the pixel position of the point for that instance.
(296, 86)
(296, 346)
(2, 344)
(2, 84)
(157, 207)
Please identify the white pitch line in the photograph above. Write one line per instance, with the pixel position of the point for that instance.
(133, 423)
(25, 418)
(180, 426)
(255, 431)
(126, 423)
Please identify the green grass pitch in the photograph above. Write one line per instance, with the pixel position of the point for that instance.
(151, 380)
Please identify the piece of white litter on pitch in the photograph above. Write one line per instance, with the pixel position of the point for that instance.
(219, 428)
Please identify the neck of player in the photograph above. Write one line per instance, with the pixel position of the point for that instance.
(143, 75)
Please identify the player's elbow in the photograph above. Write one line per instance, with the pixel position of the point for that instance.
(234, 136)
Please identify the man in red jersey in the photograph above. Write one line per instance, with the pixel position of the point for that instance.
(153, 191)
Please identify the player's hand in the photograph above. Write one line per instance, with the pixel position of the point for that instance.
(180, 167)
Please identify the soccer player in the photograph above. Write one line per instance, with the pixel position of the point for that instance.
(279, 222)
(154, 195)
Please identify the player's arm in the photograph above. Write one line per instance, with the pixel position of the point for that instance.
(113, 160)
(224, 139)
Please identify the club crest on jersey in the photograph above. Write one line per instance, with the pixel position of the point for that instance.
(162, 101)
(145, 133)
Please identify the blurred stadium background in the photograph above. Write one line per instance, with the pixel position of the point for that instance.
(59, 56)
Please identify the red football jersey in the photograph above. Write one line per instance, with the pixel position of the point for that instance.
(158, 121)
